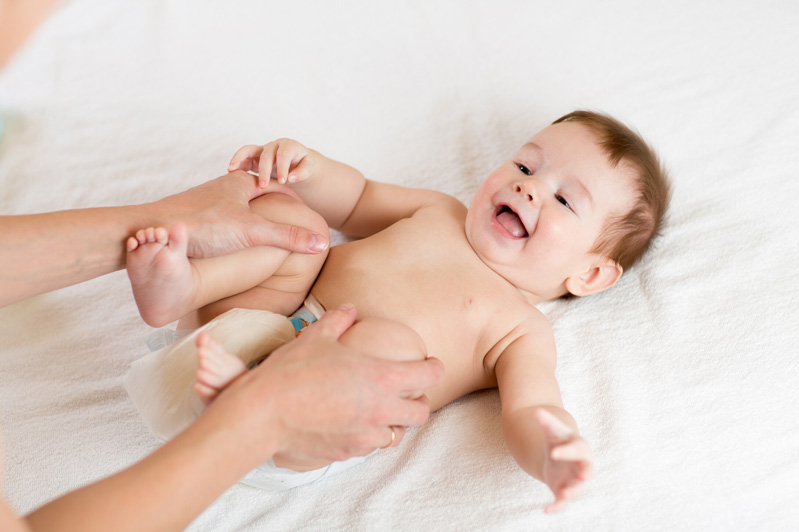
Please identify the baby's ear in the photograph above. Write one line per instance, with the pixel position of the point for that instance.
(600, 275)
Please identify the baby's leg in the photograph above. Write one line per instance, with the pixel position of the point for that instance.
(377, 337)
(216, 368)
(167, 285)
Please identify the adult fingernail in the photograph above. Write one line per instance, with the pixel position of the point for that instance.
(317, 243)
(346, 307)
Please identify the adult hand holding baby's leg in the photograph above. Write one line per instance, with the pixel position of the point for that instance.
(219, 220)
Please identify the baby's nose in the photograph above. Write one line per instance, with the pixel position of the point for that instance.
(525, 190)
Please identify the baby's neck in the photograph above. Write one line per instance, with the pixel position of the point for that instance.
(531, 297)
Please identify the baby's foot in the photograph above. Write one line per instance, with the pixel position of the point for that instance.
(216, 368)
(160, 274)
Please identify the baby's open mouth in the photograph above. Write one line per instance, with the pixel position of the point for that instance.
(510, 221)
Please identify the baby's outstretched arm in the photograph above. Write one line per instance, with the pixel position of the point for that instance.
(541, 435)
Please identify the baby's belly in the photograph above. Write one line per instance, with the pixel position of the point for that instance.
(450, 327)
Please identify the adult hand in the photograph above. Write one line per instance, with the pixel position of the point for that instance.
(219, 219)
(316, 399)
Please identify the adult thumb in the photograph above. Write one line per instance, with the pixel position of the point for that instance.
(332, 324)
(284, 236)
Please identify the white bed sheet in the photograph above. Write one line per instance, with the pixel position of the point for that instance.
(683, 377)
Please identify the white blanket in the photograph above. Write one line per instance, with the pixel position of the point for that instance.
(683, 377)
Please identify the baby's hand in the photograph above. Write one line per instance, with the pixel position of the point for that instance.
(286, 160)
(569, 461)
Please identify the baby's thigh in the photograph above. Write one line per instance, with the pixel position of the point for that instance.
(299, 270)
(284, 206)
(385, 339)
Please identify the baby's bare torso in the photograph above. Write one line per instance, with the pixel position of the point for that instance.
(423, 273)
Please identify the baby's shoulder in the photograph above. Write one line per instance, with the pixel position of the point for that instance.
(533, 327)
(530, 334)
(441, 204)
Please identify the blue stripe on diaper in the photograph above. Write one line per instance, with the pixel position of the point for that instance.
(300, 319)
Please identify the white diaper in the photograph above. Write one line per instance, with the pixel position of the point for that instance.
(161, 384)
(270, 477)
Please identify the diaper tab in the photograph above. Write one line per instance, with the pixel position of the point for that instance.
(161, 338)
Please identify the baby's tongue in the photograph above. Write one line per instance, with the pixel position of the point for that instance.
(511, 222)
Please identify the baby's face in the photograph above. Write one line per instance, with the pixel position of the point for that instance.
(536, 217)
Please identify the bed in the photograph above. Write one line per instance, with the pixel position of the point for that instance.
(683, 377)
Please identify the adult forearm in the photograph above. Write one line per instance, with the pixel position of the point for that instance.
(163, 492)
(43, 252)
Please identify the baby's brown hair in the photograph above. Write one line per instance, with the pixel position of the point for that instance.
(625, 238)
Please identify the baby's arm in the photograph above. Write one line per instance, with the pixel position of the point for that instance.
(347, 200)
(541, 435)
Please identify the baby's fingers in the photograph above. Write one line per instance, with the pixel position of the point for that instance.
(576, 450)
(289, 155)
(266, 164)
(246, 158)
(554, 427)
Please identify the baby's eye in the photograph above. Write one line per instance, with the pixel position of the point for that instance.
(562, 200)
(524, 169)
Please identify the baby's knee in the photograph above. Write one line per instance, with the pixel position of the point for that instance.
(385, 339)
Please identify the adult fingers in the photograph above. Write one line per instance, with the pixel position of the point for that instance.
(387, 409)
(366, 443)
(331, 325)
(413, 376)
(399, 433)
(406, 413)
(284, 236)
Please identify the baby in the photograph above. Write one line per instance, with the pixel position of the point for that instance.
(579, 203)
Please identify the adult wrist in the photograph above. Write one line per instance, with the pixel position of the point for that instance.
(244, 419)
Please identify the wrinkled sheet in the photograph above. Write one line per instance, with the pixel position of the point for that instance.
(683, 377)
